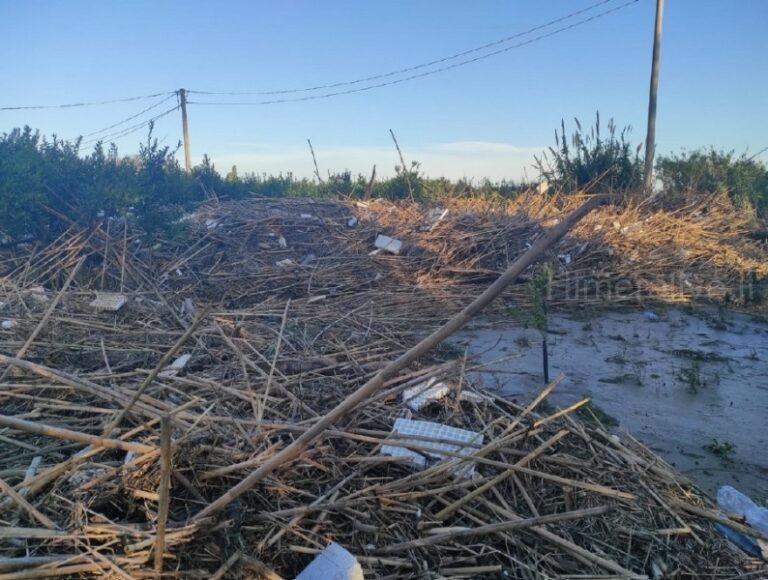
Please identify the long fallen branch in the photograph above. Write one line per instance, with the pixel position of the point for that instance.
(364, 393)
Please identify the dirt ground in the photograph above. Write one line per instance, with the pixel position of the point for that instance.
(692, 386)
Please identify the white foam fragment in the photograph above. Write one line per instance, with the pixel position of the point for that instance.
(474, 397)
(109, 301)
(389, 244)
(211, 223)
(333, 563)
(282, 243)
(38, 293)
(8, 324)
(455, 442)
(352, 222)
(422, 394)
(287, 263)
(306, 216)
(177, 365)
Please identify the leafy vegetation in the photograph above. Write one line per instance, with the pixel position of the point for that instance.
(722, 449)
(591, 161)
(744, 179)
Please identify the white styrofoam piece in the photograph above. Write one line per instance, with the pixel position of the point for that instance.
(474, 397)
(38, 293)
(420, 395)
(173, 369)
(282, 243)
(333, 563)
(108, 301)
(418, 459)
(389, 244)
(287, 263)
(8, 324)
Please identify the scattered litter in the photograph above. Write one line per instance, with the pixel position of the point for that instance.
(8, 324)
(731, 500)
(565, 258)
(435, 216)
(317, 298)
(211, 223)
(176, 366)
(307, 216)
(422, 394)
(352, 222)
(108, 301)
(333, 563)
(188, 310)
(389, 244)
(474, 397)
(282, 243)
(287, 263)
(418, 459)
(38, 294)
(308, 259)
(650, 316)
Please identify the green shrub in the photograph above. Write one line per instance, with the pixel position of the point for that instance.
(591, 162)
(745, 180)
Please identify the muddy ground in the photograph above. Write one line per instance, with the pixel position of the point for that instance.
(691, 385)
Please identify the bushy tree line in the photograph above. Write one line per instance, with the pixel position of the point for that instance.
(47, 185)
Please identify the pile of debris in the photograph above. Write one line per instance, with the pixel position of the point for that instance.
(139, 385)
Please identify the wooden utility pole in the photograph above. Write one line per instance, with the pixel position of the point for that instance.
(650, 138)
(185, 130)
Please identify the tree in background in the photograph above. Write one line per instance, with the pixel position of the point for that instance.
(744, 179)
(592, 162)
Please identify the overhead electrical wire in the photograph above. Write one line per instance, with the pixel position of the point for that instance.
(423, 74)
(131, 118)
(87, 104)
(129, 130)
(415, 67)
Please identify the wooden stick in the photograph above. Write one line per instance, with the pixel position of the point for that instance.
(59, 433)
(164, 491)
(44, 320)
(26, 506)
(372, 386)
(494, 528)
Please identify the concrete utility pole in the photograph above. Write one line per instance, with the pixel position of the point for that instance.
(650, 138)
(185, 130)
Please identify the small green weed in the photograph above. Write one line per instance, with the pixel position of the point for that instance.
(691, 376)
(699, 355)
(724, 450)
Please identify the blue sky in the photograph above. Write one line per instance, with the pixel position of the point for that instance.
(485, 119)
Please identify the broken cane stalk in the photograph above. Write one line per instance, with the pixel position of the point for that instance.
(363, 394)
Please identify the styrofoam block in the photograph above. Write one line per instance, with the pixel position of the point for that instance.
(333, 563)
(422, 394)
(389, 244)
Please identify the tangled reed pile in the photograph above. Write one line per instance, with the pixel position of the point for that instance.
(111, 445)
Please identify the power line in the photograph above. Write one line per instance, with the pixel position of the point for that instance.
(424, 74)
(85, 104)
(415, 67)
(131, 118)
(129, 130)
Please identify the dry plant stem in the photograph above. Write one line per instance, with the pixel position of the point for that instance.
(153, 375)
(278, 344)
(44, 320)
(19, 500)
(164, 491)
(373, 385)
(57, 432)
(494, 528)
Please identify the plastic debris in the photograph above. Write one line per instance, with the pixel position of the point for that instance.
(474, 397)
(352, 222)
(108, 301)
(282, 243)
(307, 216)
(38, 294)
(8, 324)
(565, 258)
(308, 259)
(287, 263)
(176, 366)
(333, 563)
(418, 459)
(650, 316)
(422, 394)
(389, 244)
(211, 223)
(742, 541)
(731, 500)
